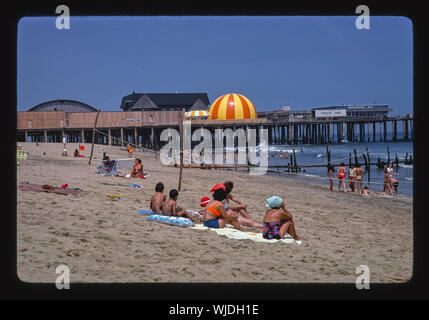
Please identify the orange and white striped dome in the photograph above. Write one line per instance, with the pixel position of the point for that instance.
(232, 106)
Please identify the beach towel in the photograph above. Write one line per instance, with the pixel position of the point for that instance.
(47, 188)
(135, 185)
(232, 233)
(21, 157)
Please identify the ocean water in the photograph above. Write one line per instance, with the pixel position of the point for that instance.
(316, 154)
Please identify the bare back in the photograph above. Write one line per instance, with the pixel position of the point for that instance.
(157, 202)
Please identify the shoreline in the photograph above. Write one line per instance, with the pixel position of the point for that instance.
(107, 241)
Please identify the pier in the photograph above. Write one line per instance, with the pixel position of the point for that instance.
(143, 128)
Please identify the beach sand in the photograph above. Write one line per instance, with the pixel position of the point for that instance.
(105, 241)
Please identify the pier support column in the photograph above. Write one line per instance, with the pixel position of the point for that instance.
(109, 137)
(373, 132)
(25, 135)
(405, 134)
(289, 133)
(381, 132)
(385, 131)
(135, 136)
(122, 137)
(394, 130)
(45, 136)
(82, 136)
(369, 136)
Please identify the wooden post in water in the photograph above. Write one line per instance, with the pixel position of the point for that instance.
(356, 158)
(294, 160)
(396, 160)
(93, 135)
(350, 159)
(369, 166)
(181, 150)
(388, 155)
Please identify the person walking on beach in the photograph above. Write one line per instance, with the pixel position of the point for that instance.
(130, 151)
(278, 220)
(341, 174)
(352, 177)
(386, 184)
(359, 179)
(331, 170)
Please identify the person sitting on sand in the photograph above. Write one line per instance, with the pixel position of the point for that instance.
(170, 207)
(341, 173)
(215, 215)
(359, 179)
(157, 200)
(352, 177)
(137, 169)
(365, 191)
(278, 220)
(243, 217)
(331, 171)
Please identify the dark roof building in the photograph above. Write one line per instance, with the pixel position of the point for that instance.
(63, 105)
(165, 101)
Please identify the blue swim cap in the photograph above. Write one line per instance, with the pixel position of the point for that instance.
(274, 202)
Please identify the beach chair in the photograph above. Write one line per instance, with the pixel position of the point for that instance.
(113, 165)
(21, 157)
(107, 168)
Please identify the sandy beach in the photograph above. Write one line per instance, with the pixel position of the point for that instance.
(105, 241)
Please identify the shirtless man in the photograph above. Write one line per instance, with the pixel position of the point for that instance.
(341, 174)
(359, 179)
(170, 207)
(278, 220)
(158, 199)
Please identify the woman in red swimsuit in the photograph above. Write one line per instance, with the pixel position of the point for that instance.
(341, 174)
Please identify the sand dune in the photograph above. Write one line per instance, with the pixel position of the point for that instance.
(103, 240)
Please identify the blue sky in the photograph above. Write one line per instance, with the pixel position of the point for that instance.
(302, 61)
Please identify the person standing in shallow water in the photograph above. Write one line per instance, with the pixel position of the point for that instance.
(352, 177)
(331, 171)
(341, 174)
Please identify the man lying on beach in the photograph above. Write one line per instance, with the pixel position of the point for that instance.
(243, 217)
(157, 200)
(170, 207)
(278, 220)
(215, 215)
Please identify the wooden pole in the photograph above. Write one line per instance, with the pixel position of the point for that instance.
(388, 155)
(181, 149)
(356, 158)
(93, 135)
(369, 167)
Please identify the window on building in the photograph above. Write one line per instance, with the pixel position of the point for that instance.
(150, 118)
